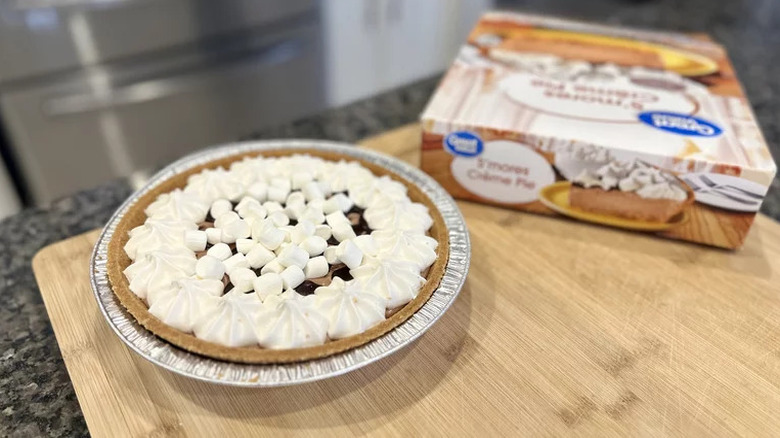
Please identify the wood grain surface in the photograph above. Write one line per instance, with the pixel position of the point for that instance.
(562, 328)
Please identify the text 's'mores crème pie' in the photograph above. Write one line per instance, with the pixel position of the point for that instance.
(278, 257)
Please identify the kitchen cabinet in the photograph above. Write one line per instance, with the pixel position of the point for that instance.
(373, 46)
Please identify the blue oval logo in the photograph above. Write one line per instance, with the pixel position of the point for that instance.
(681, 124)
(464, 143)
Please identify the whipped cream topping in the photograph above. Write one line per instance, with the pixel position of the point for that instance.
(397, 281)
(229, 320)
(291, 320)
(386, 213)
(157, 269)
(406, 245)
(185, 302)
(155, 234)
(178, 206)
(280, 223)
(590, 153)
(551, 66)
(634, 176)
(213, 184)
(350, 310)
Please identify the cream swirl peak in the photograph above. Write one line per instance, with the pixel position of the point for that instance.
(296, 251)
(178, 205)
(634, 176)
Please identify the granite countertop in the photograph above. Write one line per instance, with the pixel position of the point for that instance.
(36, 397)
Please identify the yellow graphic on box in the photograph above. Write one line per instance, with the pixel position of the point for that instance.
(556, 197)
(679, 61)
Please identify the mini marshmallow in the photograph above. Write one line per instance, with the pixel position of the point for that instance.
(242, 279)
(316, 203)
(312, 191)
(267, 285)
(272, 266)
(235, 261)
(246, 205)
(292, 277)
(281, 248)
(272, 206)
(343, 231)
(267, 234)
(325, 187)
(330, 255)
(220, 207)
(336, 217)
(313, 214)
(295, 198)
(245, 245)
(282, 183)
(277, 194)
(287, 233)
(294, 211)
(195, 240)
(316, 267)
(323, 231)
(221, 251)
(279, 218)
(225, 218)
(259, 256)
(246, 201)
(252, 212)
(258, 190)
(293, 255)
(349, 254)
(209, 267)
(302, 230)
(213, 235)
(337, 202)
(314, 245)
(235, 230)
(366, 244)
(300, 179)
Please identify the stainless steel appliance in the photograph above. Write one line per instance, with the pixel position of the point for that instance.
(92, 90)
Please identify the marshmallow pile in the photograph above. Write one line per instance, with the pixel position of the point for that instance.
(223, 257)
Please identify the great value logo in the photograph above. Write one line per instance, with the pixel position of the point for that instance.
(681, 124)
(464, 144)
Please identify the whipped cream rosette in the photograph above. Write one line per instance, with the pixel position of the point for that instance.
(634, 176)
(289, 252)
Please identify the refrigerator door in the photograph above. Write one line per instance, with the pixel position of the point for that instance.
(45, 36)
(103, 123)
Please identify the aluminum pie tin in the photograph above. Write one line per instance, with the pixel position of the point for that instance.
(195, 366)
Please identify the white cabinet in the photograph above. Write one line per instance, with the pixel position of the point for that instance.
(375, 45)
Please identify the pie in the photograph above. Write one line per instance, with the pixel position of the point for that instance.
(631, 190)
(573, 48)
(279, 257)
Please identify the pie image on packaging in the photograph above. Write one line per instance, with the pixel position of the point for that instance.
(631, 190)
(569, 46)
(277, 256)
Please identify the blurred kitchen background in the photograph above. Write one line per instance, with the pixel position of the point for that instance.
(94, 90)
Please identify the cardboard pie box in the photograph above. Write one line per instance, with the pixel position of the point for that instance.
(641, 130)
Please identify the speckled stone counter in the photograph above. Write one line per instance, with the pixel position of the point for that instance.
(36, 397)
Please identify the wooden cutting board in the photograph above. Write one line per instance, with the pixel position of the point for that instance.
(562, 328)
